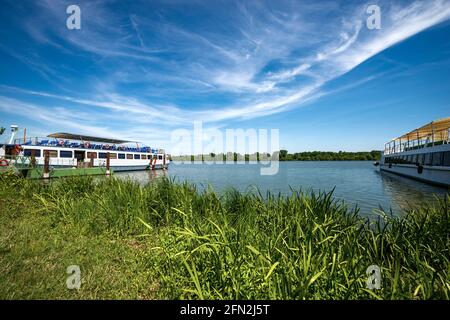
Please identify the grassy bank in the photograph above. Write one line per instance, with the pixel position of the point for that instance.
(168, 241)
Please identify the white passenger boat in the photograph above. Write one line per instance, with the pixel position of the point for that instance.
(422, 154)
(75, 150)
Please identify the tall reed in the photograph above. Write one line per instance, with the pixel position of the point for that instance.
(245, 246)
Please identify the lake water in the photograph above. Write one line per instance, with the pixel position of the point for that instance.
(357, 182)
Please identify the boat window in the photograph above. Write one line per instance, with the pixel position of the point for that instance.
(92, 155)
(160, 157)
(143, 157)
(121, 155)
(437, 159)
(113, 155)
(65, 154)
(420, 158)
(414, 159)
(137, 157)
(32, 152)
(102, 155)
(52, 153)
(149, 157)
(129, 156)
(154, 156)
(428, 159)
(446, 159)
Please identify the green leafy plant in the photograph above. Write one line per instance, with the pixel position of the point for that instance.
(168, 240)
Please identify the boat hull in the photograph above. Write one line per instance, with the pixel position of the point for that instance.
(137, 168)
(433, 175)
(126, 168)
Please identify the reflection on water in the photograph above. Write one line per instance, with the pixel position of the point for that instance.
(357, 182)
(406, 193)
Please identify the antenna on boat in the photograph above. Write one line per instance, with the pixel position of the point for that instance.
(14, 130)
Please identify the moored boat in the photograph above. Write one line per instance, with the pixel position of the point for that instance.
(75, 150)
(422, 154)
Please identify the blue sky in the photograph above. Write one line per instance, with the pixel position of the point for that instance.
(141, 69)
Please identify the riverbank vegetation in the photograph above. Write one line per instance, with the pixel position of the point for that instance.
(167, 240)
(284, 155)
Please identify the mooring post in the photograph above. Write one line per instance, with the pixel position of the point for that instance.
(164, 162)
(151, 163)
(46, 174)
(107, 164)
(91, 162)
(33, 158)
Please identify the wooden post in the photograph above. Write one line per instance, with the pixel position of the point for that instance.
(418, 140)
(33, 158)
(46, 164)
(91, 162)
(432, 134)
(164, 162)
(107, 164)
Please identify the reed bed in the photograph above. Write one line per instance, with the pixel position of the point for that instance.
(202, 245)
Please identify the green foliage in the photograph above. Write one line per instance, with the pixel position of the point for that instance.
(2, 130)
(187, 244)
(334, 156)
(284, 155)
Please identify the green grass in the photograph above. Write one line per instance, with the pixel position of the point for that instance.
(167, 240)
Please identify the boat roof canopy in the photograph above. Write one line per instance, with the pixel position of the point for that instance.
(427, 130)
(73, 136)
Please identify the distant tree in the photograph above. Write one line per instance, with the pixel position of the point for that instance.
(2, 130)
(283, 154)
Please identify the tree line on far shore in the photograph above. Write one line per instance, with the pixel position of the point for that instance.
(284, 155)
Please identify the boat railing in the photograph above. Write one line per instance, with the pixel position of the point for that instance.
(25, 161)
(48, 142)
(434, 139)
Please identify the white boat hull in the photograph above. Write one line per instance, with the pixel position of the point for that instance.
(434, 174)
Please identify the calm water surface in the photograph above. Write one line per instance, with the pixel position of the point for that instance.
(357, 182)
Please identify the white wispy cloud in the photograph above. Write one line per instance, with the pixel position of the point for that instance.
(263, 58)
